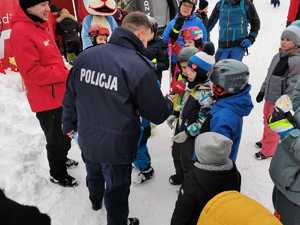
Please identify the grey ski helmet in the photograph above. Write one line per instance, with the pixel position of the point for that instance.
(185, 53)
(230, 74)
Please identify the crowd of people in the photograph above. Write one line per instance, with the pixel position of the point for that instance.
(107, 99)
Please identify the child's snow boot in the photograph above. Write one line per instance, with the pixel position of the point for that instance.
(260, 156)
(66, 181)
(258, 144)
(133, 221)
(175, 180)
(145, 175)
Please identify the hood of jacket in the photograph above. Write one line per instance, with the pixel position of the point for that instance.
(123, 37)
(239, 103)
(223, 208)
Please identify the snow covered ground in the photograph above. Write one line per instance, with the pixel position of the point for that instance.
(24, 168)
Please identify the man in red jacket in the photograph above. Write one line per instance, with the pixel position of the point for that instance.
(44, 74)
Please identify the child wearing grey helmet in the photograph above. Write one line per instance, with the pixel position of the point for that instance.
(229, 78)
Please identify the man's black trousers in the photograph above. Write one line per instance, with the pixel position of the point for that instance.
(58, 144)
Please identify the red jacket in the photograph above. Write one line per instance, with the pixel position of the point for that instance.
(293, 10)
(39, 62)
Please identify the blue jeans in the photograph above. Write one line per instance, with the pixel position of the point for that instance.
(113, 182)
(230, 53)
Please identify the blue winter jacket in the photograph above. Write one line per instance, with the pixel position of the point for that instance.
(109, 88)
(234, 20)
(227, 117)
(191, 21)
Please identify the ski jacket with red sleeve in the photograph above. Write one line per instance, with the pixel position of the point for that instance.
(293, 13)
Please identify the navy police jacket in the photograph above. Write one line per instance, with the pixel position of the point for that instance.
(109, 88)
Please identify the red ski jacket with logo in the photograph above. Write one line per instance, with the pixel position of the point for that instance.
(39, 62)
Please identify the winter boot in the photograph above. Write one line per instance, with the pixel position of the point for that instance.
(145, 175)
(66, 181)
(175, 180)
(70, 163)
(258, 145)
(260, 156)
(133, 221)
(96, 205)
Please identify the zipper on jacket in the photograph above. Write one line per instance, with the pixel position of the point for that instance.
(228, 24)
(52, 91)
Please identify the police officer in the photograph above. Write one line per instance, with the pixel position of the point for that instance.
(109, 88)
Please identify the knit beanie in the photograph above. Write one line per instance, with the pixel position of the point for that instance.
(212, 149)
(202, 60)
(204, 63)
(203, 4)
(292, 33)
(25, 4)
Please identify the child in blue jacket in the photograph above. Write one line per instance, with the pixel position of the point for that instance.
(233, 101)
(157, 53)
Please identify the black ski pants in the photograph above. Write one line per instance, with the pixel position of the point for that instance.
(57, 144)
(183, 157)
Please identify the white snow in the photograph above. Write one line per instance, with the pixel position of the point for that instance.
(24, 168)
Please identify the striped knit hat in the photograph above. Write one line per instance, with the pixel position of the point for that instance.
(202, 60)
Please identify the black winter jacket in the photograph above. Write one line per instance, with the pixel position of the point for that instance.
(110, 87)
(200, 185)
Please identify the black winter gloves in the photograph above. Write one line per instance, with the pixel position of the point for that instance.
(203, 4)
(177, 27)
(260, 96)
(179, 22)
(209, 48)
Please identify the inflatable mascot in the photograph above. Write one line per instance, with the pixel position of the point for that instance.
(100, 12)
